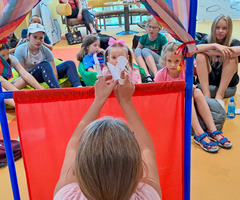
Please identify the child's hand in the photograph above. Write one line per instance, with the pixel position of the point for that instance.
(194, 87)
(124, 89)
(101, 50)
(102, 89)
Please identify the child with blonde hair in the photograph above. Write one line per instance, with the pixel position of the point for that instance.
(217, 58)
(113, 52)
(104, 158)
(90, 46)
(148, 51)
(172, 72)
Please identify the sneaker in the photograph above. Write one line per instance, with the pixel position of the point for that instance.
(142, 25)
(221, 102)
(148, 79)
(94, 32)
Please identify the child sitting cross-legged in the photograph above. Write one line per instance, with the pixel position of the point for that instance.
(172, 73)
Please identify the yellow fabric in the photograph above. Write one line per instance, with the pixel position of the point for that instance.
(99, 3)
(64, 9)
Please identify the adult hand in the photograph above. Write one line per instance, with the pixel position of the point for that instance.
(124, 92)
(102, 89)
(137, 2)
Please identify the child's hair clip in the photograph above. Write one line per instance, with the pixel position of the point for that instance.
(113, 41)
(179, 68)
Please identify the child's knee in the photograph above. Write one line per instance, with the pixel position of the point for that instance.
(198, 94)
(201, 57)
(70, 63)
(137, 52)
(146, 52)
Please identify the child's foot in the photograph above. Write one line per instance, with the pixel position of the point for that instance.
(217, 136)
(203, 141)
(94, 32)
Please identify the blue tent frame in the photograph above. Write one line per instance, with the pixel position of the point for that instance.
(188, 111)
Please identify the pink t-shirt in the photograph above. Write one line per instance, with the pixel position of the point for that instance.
(133, 76)
(73, 192)
(163, 76)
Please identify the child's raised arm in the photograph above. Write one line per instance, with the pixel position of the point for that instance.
(102, 92)
(123, 94)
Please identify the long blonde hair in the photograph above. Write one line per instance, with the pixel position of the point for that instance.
(213, 39)
(126, 49)
(108, 163)
(87, 41)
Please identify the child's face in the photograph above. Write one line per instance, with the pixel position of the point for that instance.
(114, 53)
(5, 53)
(221, 30)
(94, 47)
(153, 28)
(36, 20)
(36, 39)
(172, 62)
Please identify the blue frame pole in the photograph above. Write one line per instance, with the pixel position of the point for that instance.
(7, 143)
(188, 104)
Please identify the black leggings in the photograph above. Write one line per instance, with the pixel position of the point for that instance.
(86, 16)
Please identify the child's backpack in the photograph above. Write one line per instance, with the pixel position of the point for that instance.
(135, 41)
(104, 38)
(16, 152)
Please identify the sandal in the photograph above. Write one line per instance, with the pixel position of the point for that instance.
(221, 142)
(206, 146)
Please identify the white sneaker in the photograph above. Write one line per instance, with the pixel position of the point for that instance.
(221, 102)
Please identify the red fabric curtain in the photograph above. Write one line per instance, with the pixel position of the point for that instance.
(47, 118)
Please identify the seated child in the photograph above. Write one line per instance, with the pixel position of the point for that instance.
(148, 51)
(104, 159)
(116, 49)
(38, 60)
(12, 62)
(24, 38)
(172, 72)
(90, 46)
(13, 42)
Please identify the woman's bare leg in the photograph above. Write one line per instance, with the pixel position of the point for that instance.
(203, 69)
(230, 67)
